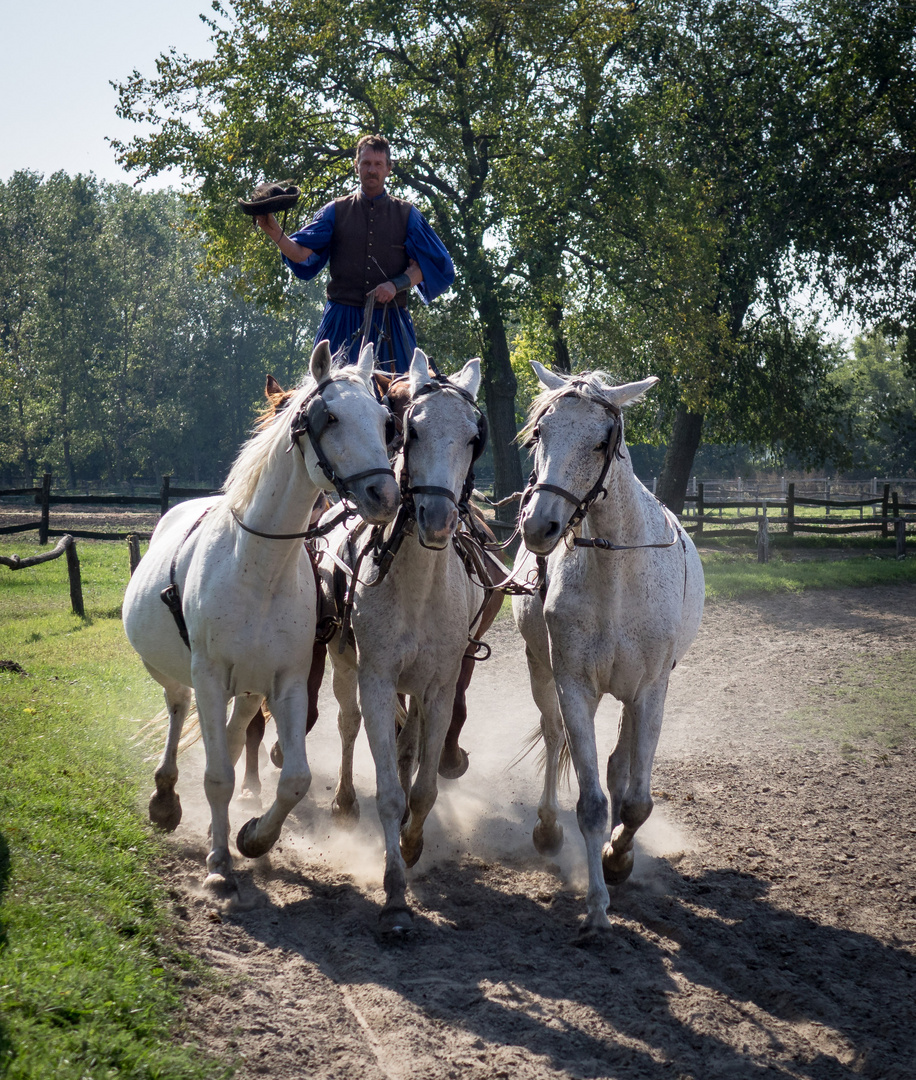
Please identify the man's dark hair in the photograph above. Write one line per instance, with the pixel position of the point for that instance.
(373, 142)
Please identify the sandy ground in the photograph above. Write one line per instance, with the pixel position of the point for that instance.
(769, 928)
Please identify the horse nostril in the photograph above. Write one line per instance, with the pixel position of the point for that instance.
(421, 515)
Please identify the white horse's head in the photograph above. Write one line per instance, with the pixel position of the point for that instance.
(348, 435)
(575, 428)
(444, 433)
(341, 430)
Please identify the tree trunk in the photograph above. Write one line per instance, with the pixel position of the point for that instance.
(554, 317)
(682, 449)
(499, 385)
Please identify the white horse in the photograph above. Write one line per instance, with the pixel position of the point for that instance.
(243, 592)
(620, 603)
(411, 628)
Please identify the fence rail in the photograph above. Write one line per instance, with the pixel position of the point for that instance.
(889, 515)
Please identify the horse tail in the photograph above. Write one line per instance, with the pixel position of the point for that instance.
(564, 765)
(155, 730)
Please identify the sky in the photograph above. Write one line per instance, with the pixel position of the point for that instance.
(56, 104)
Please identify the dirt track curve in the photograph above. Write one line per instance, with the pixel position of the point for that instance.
(769, 929)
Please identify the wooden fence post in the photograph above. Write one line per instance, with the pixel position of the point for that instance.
(76, 583)
(763, 537)
(900, 534)
(164, 496)
(133, 551)
(790, 511)
(700, 510)
(45, 523)
(885, 499)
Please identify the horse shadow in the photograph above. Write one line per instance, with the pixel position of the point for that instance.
(692, 963)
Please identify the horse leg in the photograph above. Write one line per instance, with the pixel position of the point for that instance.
(453, 761)
(379, 703)
(345, 807)
(246, 729)
(219, 776)
(254, 736)
(258, 836)
(578, 706)
(548, 833)
(408, 744)
(164, 804)
(629, 778)
(434, 714)
(316, 677)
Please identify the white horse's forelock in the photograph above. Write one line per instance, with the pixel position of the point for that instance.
(595, 385)
(272, 438)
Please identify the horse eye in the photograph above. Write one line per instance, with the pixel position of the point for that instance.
(412, 432)
(332, 419)
(602, 447)
(533, 438)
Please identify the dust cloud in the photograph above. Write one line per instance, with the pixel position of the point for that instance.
(487, 814)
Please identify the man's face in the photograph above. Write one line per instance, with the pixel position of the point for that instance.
(373, 170)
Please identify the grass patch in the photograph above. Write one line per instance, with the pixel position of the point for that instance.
(90, 978)
(869, 701)
(732, 574)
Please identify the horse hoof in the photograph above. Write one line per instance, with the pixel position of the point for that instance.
(246, 843)
(548, 839)
(346, 817)
(395, 923)
(589, 935)
(616, 868)
(250, 800)
(454, 766)
(165, 810)
(221, 886)
(276, 755)
(411, 855)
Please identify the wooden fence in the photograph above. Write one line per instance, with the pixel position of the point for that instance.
(885, 511)
(887, 514)
(45, 500)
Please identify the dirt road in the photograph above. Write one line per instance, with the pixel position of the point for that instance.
(769, 928)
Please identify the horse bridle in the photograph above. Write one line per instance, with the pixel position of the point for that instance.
(583, 505)
(436, 385)
(311, 419)
(612, 450)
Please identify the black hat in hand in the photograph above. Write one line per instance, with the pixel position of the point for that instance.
(270, 199)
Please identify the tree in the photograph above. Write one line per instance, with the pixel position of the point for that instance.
(881, 395)
(470, 95)
(759, 148)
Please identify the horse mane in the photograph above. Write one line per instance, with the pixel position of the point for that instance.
(270, 437)
(595, 385)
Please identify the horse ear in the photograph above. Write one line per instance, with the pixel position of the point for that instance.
(272, 388)
(630, 393)
(320, 363)
(468, 379)
(419, 371)
(547, 378)
(366, 362)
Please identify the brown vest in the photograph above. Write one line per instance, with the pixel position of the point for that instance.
(367, 247)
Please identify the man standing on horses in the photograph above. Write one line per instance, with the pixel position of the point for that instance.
(376, 246)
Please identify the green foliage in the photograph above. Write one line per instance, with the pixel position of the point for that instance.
(881, 395)
(117, 360)
(90, 975)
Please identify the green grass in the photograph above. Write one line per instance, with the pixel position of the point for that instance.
(869, 701)
(731, 574)
(90, 978)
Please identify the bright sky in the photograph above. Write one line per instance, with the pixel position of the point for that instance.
(56, 104)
